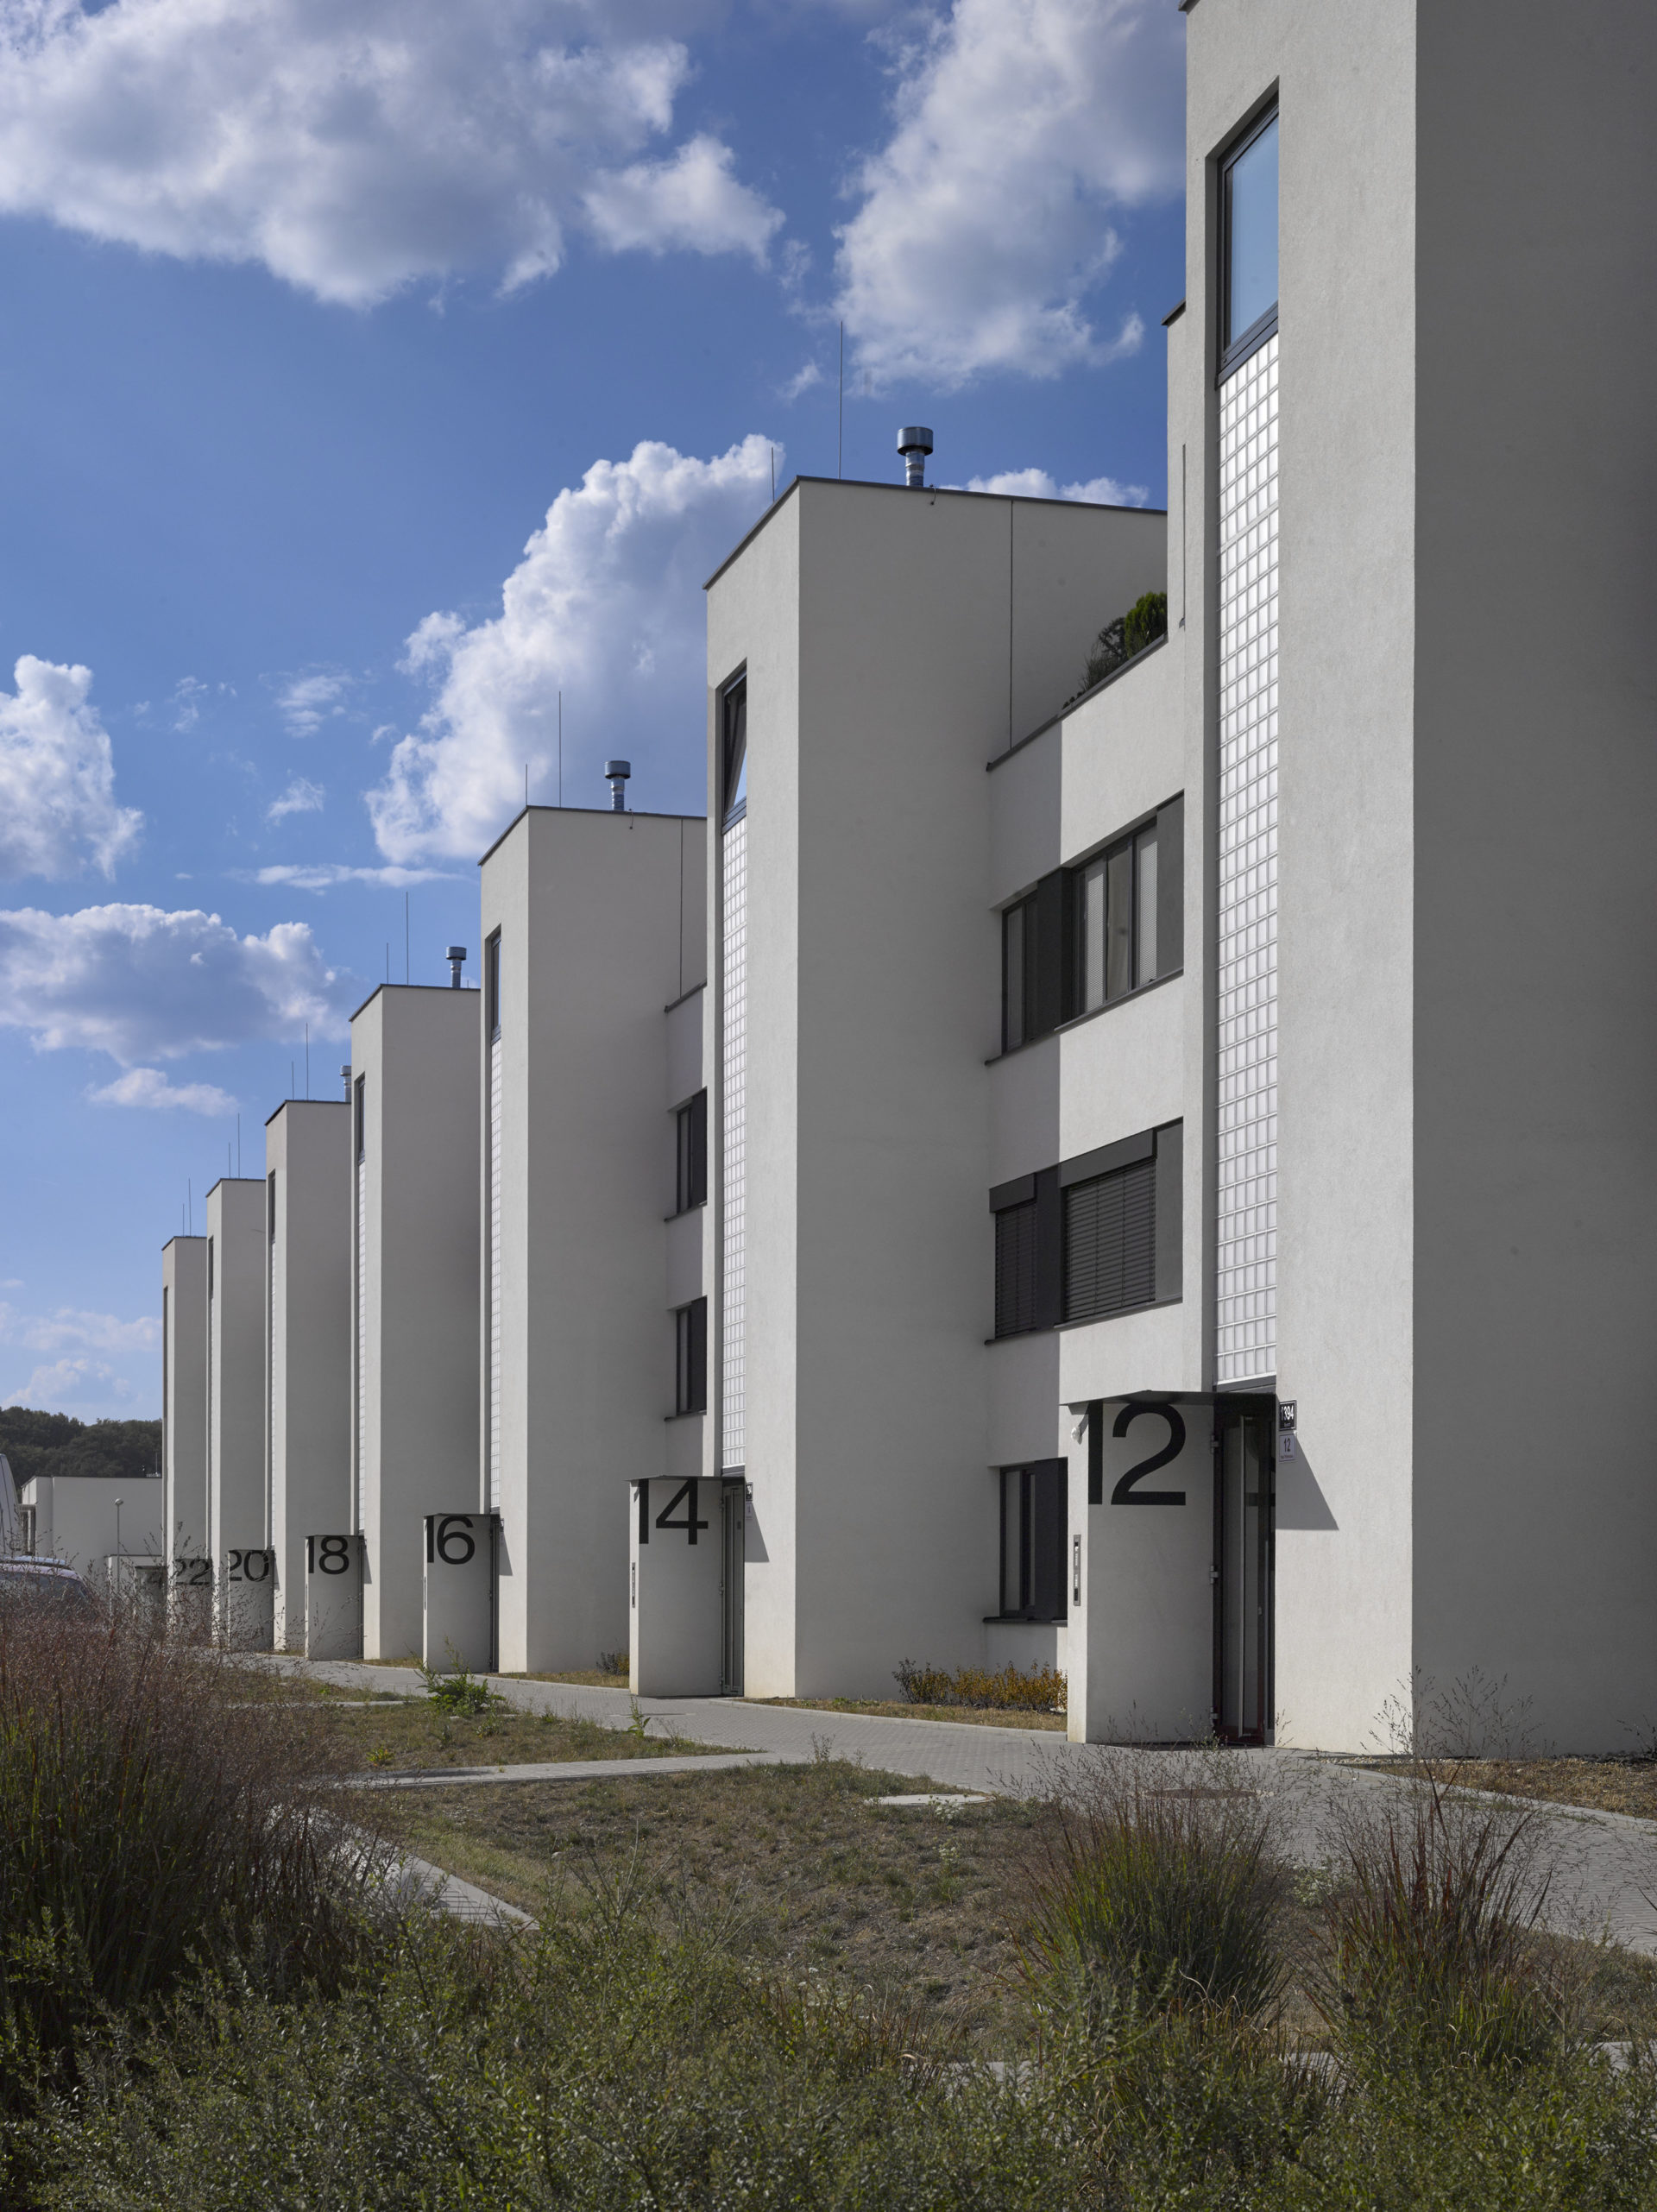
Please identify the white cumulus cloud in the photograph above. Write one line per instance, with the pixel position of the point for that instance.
(306, 702)
(692, 201)
(142, 983)
(354, 146)
(1036, 483)
(89, 1384)
(1019, 127)
(607, 606)
(323, 875)
(149, 1087)
(57, 777)
(72, 1329)
(301, 797)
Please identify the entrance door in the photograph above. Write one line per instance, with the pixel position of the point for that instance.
(1244, 1467)
(733, 1509)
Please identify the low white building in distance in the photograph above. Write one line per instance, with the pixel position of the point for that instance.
(592, 934)
(308, 1370)
(184, 1395)
(414, 1259)
(84, 1520)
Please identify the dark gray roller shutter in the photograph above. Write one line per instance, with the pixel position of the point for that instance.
(1015, 1269)
(1110, 1243)
(1049, 1532)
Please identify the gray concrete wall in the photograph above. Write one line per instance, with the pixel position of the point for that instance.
(308, 1146)
(878, 628)
(184, 1392)
(1535, 904)
(414, 1292)
(602, 927)
(75, 1517)
(237, 1423)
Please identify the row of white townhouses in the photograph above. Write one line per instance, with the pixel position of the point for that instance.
(1155, 1178)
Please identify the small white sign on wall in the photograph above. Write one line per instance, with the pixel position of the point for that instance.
(1140, 1647)
(460, 1593)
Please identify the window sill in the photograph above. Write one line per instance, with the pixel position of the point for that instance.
(1057, 1328)
(681, 1213)
(1075, 1021)
(691, 1413)
(1026, 1620)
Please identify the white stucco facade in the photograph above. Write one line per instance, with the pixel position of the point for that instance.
(599, 921)
(184, 1393)
(414, 1261)
(308, 1346)
(236, 1247)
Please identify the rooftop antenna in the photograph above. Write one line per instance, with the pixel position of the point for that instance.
(406, 966)
(456, 957)
(308, 1060)
(839, 450)
(774, 476)
(239, 1145)
(915, 443)
(345, 1080)
(560, 748)
(526, 786)
(617, 771)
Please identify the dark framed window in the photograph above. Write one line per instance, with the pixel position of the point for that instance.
(1096, 931)
(1248, 231)
(492, 987)
(690, 1146)
(734, 749)
(1126, 918)
(270, 1205)
(360, 1113)
(1102, 1233)
(690, 1357)
(1035, 1530)
(210, 1270)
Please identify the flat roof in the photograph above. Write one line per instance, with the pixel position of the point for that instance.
(608, 813)
(338, 1106)
(938, 491)
(450, 990)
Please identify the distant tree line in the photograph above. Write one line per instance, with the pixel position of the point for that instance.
(57, 1444)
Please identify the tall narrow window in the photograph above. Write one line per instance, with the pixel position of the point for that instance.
(1249, 252)
(1016, 1275)
(359, 1103)
(734, 749)
(492, 986)
(1018, 958)
(270, 1205)
(690, 1357)
(690, 1141)
(1035, 1527)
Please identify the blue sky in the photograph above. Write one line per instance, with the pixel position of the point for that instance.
(375, 370)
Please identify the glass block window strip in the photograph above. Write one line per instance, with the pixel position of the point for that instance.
(1245, 1312)
(734, 1108)
(495, 1086)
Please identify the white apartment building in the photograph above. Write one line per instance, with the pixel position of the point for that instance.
(184, 1395)
(232, 1559)
(308, 1372)
(413, 1293)
(592, 1267)
(1206, 1110)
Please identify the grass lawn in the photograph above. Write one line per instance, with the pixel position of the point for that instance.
(894, 1709)
(1613, 1783)
(818, 1881)
(394, 1735)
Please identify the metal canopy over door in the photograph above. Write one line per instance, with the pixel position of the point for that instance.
(733, 1538)
(1245, 1472)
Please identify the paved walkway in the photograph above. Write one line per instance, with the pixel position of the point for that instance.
(1607, 1876)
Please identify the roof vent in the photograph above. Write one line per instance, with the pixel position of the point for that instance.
(345, 1080)
(915, 443)
(456, 956)
(617, 771)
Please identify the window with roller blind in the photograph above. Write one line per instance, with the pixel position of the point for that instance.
(1100, 1234)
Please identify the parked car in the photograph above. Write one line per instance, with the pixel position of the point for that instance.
(48, 1584)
